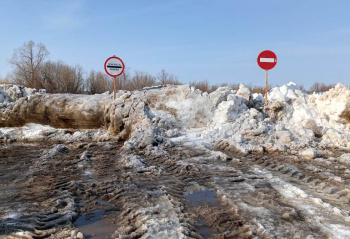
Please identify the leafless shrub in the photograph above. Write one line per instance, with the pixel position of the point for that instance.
(234, 86)
(51, 76)
(201, 85)
(32, 70)
(123, 80)
(318, 87)
(57, 77)
(260, 89)
(302, 88)
(5, 80)
(98, 82)
(140, 80)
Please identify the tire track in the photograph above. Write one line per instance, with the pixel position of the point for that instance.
(151, 192)
(309, 177)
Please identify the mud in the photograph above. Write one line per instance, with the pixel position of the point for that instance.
(54, 190)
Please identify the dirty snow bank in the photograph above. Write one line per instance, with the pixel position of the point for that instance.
(230, 120)
(36, 132)
(56, 110)
(10, 93)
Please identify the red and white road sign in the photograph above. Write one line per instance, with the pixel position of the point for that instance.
(114, 66)
(267, 60)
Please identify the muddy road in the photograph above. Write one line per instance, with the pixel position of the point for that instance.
(98, 190)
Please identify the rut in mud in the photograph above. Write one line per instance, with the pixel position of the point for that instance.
(184, 191)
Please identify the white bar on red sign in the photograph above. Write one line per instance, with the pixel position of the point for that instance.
(272, 60)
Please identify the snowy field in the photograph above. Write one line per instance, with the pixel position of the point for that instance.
(174, 162)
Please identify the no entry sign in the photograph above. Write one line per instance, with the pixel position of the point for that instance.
(267, 60)
(114, 66)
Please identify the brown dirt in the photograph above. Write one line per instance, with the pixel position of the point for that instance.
(40, 192)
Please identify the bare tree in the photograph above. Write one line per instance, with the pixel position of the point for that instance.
(27, 61)
(316, 87)
(320, 87)
(165, 78)
(50, 76)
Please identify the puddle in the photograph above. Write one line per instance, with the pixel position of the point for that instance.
(89, 218)
(93, 225)
(203, 229)
(202, 196)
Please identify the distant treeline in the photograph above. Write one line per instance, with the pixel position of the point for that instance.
(32, 68)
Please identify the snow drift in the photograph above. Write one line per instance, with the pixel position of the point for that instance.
(228, 120)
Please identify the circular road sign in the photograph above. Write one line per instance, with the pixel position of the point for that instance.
(114, 66)
(267, 60)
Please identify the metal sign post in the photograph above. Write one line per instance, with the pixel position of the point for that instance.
(114, 88)
(267, 60)
(114, 66)
(266, 85)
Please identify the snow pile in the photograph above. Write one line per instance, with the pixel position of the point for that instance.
(36, 132)
(334, 105)
(185, 107)
(29, 131)
(331, 109)
(293, 121)
(232, 133)
(245, 93)
(218, 96)
(325, 116)
(229, 110)
(286, 93)
(258, 100)
(10, 93)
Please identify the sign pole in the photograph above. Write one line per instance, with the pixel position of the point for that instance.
(114, 88)
(266, 85)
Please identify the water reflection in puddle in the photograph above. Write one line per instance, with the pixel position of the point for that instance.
(202, 196)
(93, 225)
(89, 218)
(203, 229)
(198, 195)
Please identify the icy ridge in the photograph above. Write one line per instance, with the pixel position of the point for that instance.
(230, 120)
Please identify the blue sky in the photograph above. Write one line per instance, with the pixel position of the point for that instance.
(196, 40)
